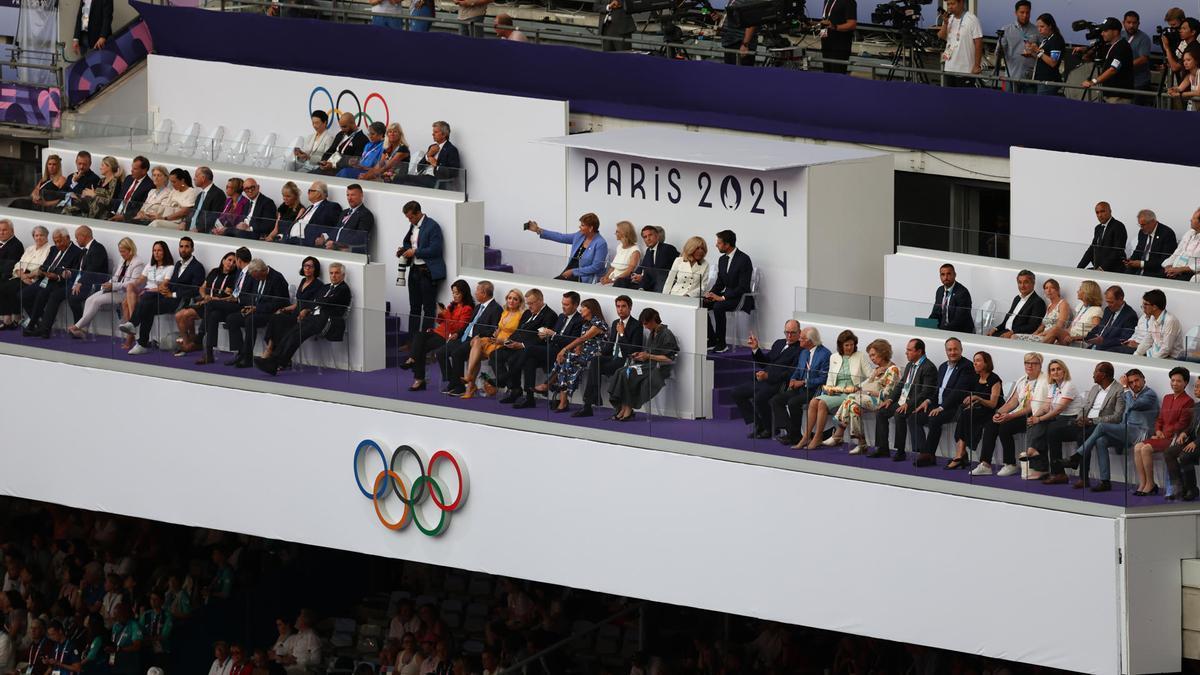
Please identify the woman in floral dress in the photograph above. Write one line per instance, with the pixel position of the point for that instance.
(575, 357)
(849, 413)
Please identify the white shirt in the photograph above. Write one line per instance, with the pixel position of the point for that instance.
(155, 275)
(302, 222)
(1020, 303)
(1164, 337)
(961, 34)
(221, 668)
(317, 144)
(412, 242)
(85, 18)
(306, 647)
(8, 655)
(685, 278)
(429, 167)
(1186, 254)
(1058, 393)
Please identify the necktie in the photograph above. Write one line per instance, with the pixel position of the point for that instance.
(125, 199)
(946, 305)
(237, 290)
(57, 259)
(199, 209)
(471, 326)
(724, 266)
(121, 274)
(617, 342)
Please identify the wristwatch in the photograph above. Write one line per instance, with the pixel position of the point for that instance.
(1095, 80)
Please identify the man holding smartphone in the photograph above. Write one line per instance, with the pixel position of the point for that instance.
(421, 253)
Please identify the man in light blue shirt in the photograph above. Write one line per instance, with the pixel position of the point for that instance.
(1018, 66)
(1140, 43)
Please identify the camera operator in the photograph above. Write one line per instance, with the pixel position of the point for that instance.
(964, 44)
(1116, 70)
(736, 38)
(1019, 38)
(1139, 42)
(838, 22)
(1169, 37)
(1188, 28)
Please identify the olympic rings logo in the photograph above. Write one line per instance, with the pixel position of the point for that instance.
(410, 493)
(360, 109)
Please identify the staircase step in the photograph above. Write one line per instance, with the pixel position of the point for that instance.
(492, 256)
(726, 412)
(732, 378)
(508, 269)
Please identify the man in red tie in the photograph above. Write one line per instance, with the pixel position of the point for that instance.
(134, 190)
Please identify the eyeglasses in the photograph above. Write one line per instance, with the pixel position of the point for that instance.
(1032, 363)
(250, 187)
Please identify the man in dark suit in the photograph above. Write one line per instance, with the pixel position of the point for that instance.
(1026, 311)
(421, 253)
(953, 381)
(812, 370)
(510, 356)
(186, 278)
(327, 318)
(216, 311)
(1107, 249)
(93, 29)
(734, 271)
(541, 352)
(441, 162)
(916, 385)
(651, 273)
(133, 191)
(348, 144)
(1155, 243)
(315, 219)
(616, 26)
(210, 201)
(260, 216)
(770, 375)
(83, 178)
(42, 307)
(1116, 324)
(624, 338)
(483, 323)
(352, 232)
(93, 270)
(11, 249)
(952, 303)
(265, 291)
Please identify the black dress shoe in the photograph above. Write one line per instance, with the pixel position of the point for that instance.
(1102, 486)
(787, 440)
(1190, 495)
(418, 387)
(28, 332)
(1071, 462)
(925, 459)
(900, 456)
(525, 402)
(246, 363)
(234, 361)
(585, 411)
(562, 409)
(511, 397)
(266, 365)
(762, 435)
(406, 366)
(879, 453)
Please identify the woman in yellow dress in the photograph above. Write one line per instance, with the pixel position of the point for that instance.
(483, 347)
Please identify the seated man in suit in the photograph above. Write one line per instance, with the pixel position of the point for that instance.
(93, 270)
(812, 370)
(656, 262)
(183, 285)
(210, 202)
(952, 303)
(352, 232)
(1027, 309)
(264, 292)
(770, 375)
(734, 271)
(510, 356)
(1116, 324)
(77, 182)
(260, 215)
(624, 338)
(540, 353)
(1155, 242)
(441, 162)
(483, 323)
(348, 144)
(917, 384)
(1107, 248)
(133, 191)
(216, 311)
(1184, 261)
(316, 219)
(42, 307)
(953, 382)
(327, 318)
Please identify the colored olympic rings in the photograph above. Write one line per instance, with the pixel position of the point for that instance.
(411, 494)
(359, 109)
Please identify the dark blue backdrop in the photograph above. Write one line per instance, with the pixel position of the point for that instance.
(687, 92)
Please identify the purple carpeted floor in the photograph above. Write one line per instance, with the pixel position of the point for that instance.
(393, 383)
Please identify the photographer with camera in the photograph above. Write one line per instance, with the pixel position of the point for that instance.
(1116, 70)
(964, 44)
(1169, 37)
(739, 42)
(839, 19)
(1018, 41)
(1188, 30)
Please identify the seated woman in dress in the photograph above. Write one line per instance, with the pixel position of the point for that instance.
(24, 279)
(285, 318)
(869, 396)
(689, 270)
(448, 326)
(234, 210)
(483, 347)
(181, 199)
(393, 159)
(48, 191)
(1058, 315)
(981, 402)
(572, 359)
(112, 292)
(93, 202)
(289, 208)
(217, 286)
(626, 259)
(1087, 315)
(1174, 416)
(156, 200)
(154, 273)
(371, 153)
(645, 372)
(848, 369)
(1052, 422)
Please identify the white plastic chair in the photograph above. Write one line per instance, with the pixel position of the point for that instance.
(755, 282)
(239, 147)
(987, 313)
(187, 144)
(161, 138)
(266, 151)
(210, 148)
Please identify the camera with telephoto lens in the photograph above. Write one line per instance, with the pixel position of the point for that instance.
(899, 13)
(1093, 29)
(1169, 31)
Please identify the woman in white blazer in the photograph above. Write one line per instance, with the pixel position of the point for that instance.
(689, 270)
(111, 292)
(848, 369)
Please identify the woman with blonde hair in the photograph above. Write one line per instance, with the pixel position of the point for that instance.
(1058, 314)
(687, 274)
(1087, 314)
(869, 395)
(49, 189)
(93, 202)
(112, 292)
(626, 259)
(1011, 419)
(1052, 422)
(483, 347)
(393, 161)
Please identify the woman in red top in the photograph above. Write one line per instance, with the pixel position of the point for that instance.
(450, 322)
(1174, 415)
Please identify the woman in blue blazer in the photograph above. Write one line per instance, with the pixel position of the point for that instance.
(589, 251)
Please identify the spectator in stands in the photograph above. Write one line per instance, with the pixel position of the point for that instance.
(848, 369)
(1047, 52)
(352, 231)
(1126, 425)
(209, 202)
(48, 191)
(589, 250)
(484, 346)
(1107, 249)
(1188, 31)
(264, 292)
(142, 295)
(125, 652)
(1116, 324)
(347, 146)
(285, 318)
(1181, 458)
(964, 44)
(11, 252)
(917, 384)
(1116, 70)
(1155, 243)
(484, 320)
(625, 337)
(648, 371)
(221, 663)
(1058, 315)
(113, 291)
(180, 202)
(305, 653)
(94, 201)
(133, 191)
(239, 664)
(217, 287)
(1161, 334)
(838, 23)
(53, 277)
(448, 326)
(393, 158)
(655, 264)
(1174, 417)
(771, 371)
(1052, 422)
(1087, 315)
(510, 357)
(735, 274)
(290, 206)
(371, 153)
(471, 14)
(1188, 90)
(952, 303)
(8, 649)
(688, 271)
(868, 396)
(83, 177)
(217, 309)
(505, 30)
(421, 253)
(1139, 43)
(620, 270)
(954, 380)
(62, 653)
(1014, 45)
(305, 158)
(260, 213)
(575, 357)
(234, 210)
(93, 26)
(314, 219)
(326, 317)
(1185, 260)
(982, 396)
(1027, 309)
(387, 13)
(441, 162)
(739, 42)
(94, 658)
(157, 624)
(540, 353)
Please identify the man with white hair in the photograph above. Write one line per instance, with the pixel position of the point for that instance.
(1184, 261)
(316, 219)
(11, 249)
(52, 282)
(812, 367)
(326, 317)
(1155, 242)
(265, 293)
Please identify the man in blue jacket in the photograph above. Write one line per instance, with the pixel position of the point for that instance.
(812, 369)
(421, 253)
(589, 251)
(1116, 325)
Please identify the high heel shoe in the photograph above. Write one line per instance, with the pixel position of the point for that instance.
(471, 390)
(1153, 491)
(957, 463)
(419, 385)
(832, 441)
(75, 332)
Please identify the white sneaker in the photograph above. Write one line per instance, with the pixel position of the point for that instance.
(127, 328)
(138, 349)
(1009, 470)
(982, 470)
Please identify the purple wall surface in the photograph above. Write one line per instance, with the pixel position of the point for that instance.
(31, 106)
(101, 67)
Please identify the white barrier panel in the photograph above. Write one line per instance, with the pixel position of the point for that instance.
(365, 324)
(782, 545)
(912, 280)
(517, 178)
(1054, 195)
(689, 392)
(461, 221)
